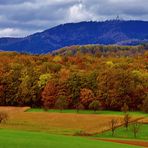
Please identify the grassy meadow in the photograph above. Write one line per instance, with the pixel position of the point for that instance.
(53, 128)
(121, 132)
(103, 112)
(21, 139)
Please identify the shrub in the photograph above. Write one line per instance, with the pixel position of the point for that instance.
(82, 133)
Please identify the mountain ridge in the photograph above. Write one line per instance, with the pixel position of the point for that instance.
(120, 32)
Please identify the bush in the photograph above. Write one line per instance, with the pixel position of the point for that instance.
(82, 133)
(3, 117)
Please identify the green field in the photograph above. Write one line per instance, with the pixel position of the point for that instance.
(19, 139)
(87, 112)
(128, 134)
(36, 128)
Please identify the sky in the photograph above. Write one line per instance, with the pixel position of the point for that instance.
(20, 18)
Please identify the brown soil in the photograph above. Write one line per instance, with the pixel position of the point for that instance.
(145, 120)
(13, 109)
(61, 121)
(68, 123)
(130, 142)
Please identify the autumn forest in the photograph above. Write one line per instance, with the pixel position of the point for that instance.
(78, 77)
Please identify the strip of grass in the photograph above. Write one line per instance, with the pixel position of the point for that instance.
(17, 139)
(87, 112)
(127, 134)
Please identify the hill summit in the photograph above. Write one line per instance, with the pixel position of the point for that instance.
(106, 33)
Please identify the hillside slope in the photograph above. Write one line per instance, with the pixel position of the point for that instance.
(107, 32)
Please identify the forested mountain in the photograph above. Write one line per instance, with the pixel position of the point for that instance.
(107, 32)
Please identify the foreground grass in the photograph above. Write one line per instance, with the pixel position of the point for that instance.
(17, 139)
(127, 134)
(87, 112)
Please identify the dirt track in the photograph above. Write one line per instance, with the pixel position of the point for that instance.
(130, 142)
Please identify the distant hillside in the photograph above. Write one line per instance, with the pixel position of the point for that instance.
(101, 50)
(107, 32)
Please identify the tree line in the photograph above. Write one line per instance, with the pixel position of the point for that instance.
(80, 81)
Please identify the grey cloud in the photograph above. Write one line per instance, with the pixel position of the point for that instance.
(8, 2)
(34, 15)
(114, 7)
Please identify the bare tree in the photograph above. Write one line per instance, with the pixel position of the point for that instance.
(136, 128)
(113, 125)
(126, 120)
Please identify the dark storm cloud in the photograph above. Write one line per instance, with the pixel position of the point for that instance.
(22, 17)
